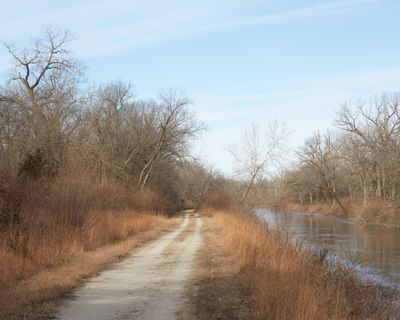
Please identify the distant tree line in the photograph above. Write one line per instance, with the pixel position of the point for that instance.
(357, 162)
(354, 168)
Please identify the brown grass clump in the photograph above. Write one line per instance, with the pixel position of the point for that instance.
(47, 244)
(35, 297)
(45, 223)
(56, 231)
(284, 284)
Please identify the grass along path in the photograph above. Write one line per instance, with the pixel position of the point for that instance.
(36, 296)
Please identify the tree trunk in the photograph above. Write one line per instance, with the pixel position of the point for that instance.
(365, 191)
(248, 188)
(378, 182)
(365, 196)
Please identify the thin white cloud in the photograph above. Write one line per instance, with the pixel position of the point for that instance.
(204, 20)
(307, 12)
(356, 85)
(104, 28)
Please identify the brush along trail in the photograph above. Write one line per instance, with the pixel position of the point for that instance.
(148, 285)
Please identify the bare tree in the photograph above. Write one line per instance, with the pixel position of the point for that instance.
(128, 139)
(195, 180)
(320, 153)
(359, 163)
(257, 153)
(377, 127)
(301, 184)
(43, 89)
(52, 127)
(177, 126)
(109, 132)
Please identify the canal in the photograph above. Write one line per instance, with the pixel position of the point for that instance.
(373, 250)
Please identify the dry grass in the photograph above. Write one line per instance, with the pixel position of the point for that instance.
(284, 284)
(36, 296)
(214, 292)
(46, 223)
(48, 244)
(50, 224)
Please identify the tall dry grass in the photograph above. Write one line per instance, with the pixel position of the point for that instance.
(283, 283)
(47, 244)
(52, 222)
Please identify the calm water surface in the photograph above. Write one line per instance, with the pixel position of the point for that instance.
(375, 249)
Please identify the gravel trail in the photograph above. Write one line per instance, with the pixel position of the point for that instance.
(148, 285)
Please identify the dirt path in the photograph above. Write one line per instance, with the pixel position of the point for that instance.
(148, 285)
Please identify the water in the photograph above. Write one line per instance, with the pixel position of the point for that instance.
(373, 250)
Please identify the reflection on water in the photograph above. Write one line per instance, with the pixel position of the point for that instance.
(375, 248)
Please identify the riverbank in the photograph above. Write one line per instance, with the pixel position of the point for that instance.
(382, 212)
(215, 291)
(279, 282)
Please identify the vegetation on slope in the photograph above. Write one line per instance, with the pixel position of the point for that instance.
(282, 282)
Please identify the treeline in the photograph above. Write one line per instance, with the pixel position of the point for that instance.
(351, 170)
(51, 123)
(80, 164)
(354, 169)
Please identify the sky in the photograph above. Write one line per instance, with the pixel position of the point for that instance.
(240, 61)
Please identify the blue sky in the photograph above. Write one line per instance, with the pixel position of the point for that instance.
(240, 61)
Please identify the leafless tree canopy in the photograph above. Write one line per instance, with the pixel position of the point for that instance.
(257, 153)
(41, 102)
(49, 121)
(359, 160)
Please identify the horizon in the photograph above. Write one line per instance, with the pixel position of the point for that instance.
(240, 63)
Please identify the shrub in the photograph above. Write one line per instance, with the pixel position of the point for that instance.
(217, 200)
